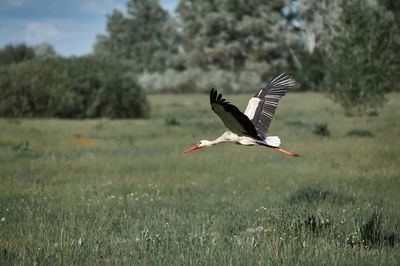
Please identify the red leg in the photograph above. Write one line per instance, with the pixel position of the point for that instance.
(287, 152)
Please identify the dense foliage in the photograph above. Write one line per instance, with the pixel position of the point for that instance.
(12, 54)
(84, 87)
(363, 62)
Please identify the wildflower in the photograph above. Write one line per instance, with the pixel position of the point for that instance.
(132, 194)
(341, 222)
(6, 209)
(113, 196)
(45, 198)
(338, 236)
(157, 235)
(3, 219)
(151, 200)
(38, 248)
(256, 210)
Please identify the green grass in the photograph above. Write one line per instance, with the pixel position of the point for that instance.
(133, 197)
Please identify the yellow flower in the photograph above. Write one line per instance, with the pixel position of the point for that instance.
(132, 194)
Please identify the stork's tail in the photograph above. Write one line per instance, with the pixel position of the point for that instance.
(273, 141)
(287, 152)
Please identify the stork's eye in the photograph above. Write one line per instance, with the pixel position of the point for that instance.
(199, 143)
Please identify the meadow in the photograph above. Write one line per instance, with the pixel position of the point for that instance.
(123, 192)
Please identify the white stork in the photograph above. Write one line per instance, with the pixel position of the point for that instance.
(250, 127)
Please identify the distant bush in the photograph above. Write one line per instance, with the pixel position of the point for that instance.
(321, 129)
(83, 87)
(172, 121)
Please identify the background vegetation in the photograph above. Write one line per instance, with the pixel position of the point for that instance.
(123, 192)
(349, 49)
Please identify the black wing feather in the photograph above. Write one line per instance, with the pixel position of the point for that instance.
(231, 116)
(269, 97)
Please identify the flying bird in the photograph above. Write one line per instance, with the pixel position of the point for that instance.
(250, 127)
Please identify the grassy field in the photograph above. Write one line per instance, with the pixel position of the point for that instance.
(123, 192)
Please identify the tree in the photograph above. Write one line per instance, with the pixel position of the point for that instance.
(44, 49)
(147, 36)
(11, 54)
(236, 35)
(363, 60)
(317, 19)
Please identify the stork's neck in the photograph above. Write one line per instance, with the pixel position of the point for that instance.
(226, 137)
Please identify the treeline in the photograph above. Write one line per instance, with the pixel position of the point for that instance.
(347, 47)
(35, 82)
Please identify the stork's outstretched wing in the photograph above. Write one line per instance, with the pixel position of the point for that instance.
(233, 119)
(262, 106)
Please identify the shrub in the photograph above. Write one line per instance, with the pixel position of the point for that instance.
(321, 129)
(83, 87)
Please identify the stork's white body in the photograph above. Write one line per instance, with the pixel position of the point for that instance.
(229, 136)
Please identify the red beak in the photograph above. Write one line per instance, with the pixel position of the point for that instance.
(195, 147)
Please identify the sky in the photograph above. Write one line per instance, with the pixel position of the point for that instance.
(70, 26)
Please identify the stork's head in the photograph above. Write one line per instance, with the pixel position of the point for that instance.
(201, 144)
